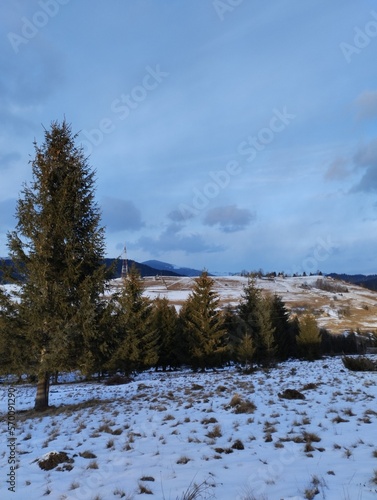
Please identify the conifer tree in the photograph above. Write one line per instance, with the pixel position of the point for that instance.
(254, 312)
(203, 325)
(58, 250)
(248, 311)
(14, 348)
(309, 341)
(235, 333)
(136, 340)
(284, 334)
(267, 346)
(245, 351)
(164, 324)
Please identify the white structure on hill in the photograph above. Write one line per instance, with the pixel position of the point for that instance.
(124, 272)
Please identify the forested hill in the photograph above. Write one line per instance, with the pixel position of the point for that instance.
(367, 281)
(143, 268)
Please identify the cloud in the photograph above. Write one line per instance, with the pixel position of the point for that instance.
(180, 215)
(366, 157)
(338, 170)
(171, 239)
(229, 218)
(27, 80)
(366, 104)
(120, 215)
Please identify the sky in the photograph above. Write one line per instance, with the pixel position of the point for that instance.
(225, 134)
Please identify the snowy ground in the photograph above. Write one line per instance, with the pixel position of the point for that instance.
(165, 431)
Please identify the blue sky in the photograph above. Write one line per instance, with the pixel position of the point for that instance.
(225, 134)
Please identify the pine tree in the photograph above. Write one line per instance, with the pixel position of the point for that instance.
(58, 248)
(14, 347)
(284, 334)
(235, 333)
(164, 324)
(267, 346)
(204, 325)
(245, 351)
(248, 311)
(136, 339)
(309, 341)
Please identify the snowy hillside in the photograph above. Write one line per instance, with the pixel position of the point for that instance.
(342, 307)
(236, 436)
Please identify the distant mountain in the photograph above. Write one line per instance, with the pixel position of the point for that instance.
(367, 281)
(144, 269)
(166, 267)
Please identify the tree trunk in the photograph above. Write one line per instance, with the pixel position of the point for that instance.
(43, 386)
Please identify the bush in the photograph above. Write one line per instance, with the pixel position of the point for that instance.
(359, 364)
(117, 380)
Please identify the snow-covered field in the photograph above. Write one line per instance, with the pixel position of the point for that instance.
(350, 307)
(228, 432)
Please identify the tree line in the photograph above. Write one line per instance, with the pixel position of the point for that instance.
(60, 317)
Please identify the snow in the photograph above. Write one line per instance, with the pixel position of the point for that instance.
(143, 429)
(299, 293)
(160, 425)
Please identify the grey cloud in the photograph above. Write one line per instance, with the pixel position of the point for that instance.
(180, 215)
(229, 218)
(120, 215)
(366, 104)
(366, 157)
(338, 170)
(171, 240)
(27, 80)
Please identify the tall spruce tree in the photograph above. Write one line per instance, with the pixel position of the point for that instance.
(135, 338)
(309, 341)
(14, 347)
(165, 326)
(267, 330)
(248, 312)
(58, 249)
(203, 325)
(285, 335)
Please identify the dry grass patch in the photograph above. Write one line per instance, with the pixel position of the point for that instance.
(374, 478)
(291, 394)
(211, 420)
(143, 489)
(242, 406)
(338, 420)
(215, 432)
(87, 454)
(93, 465)
(168, 417)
